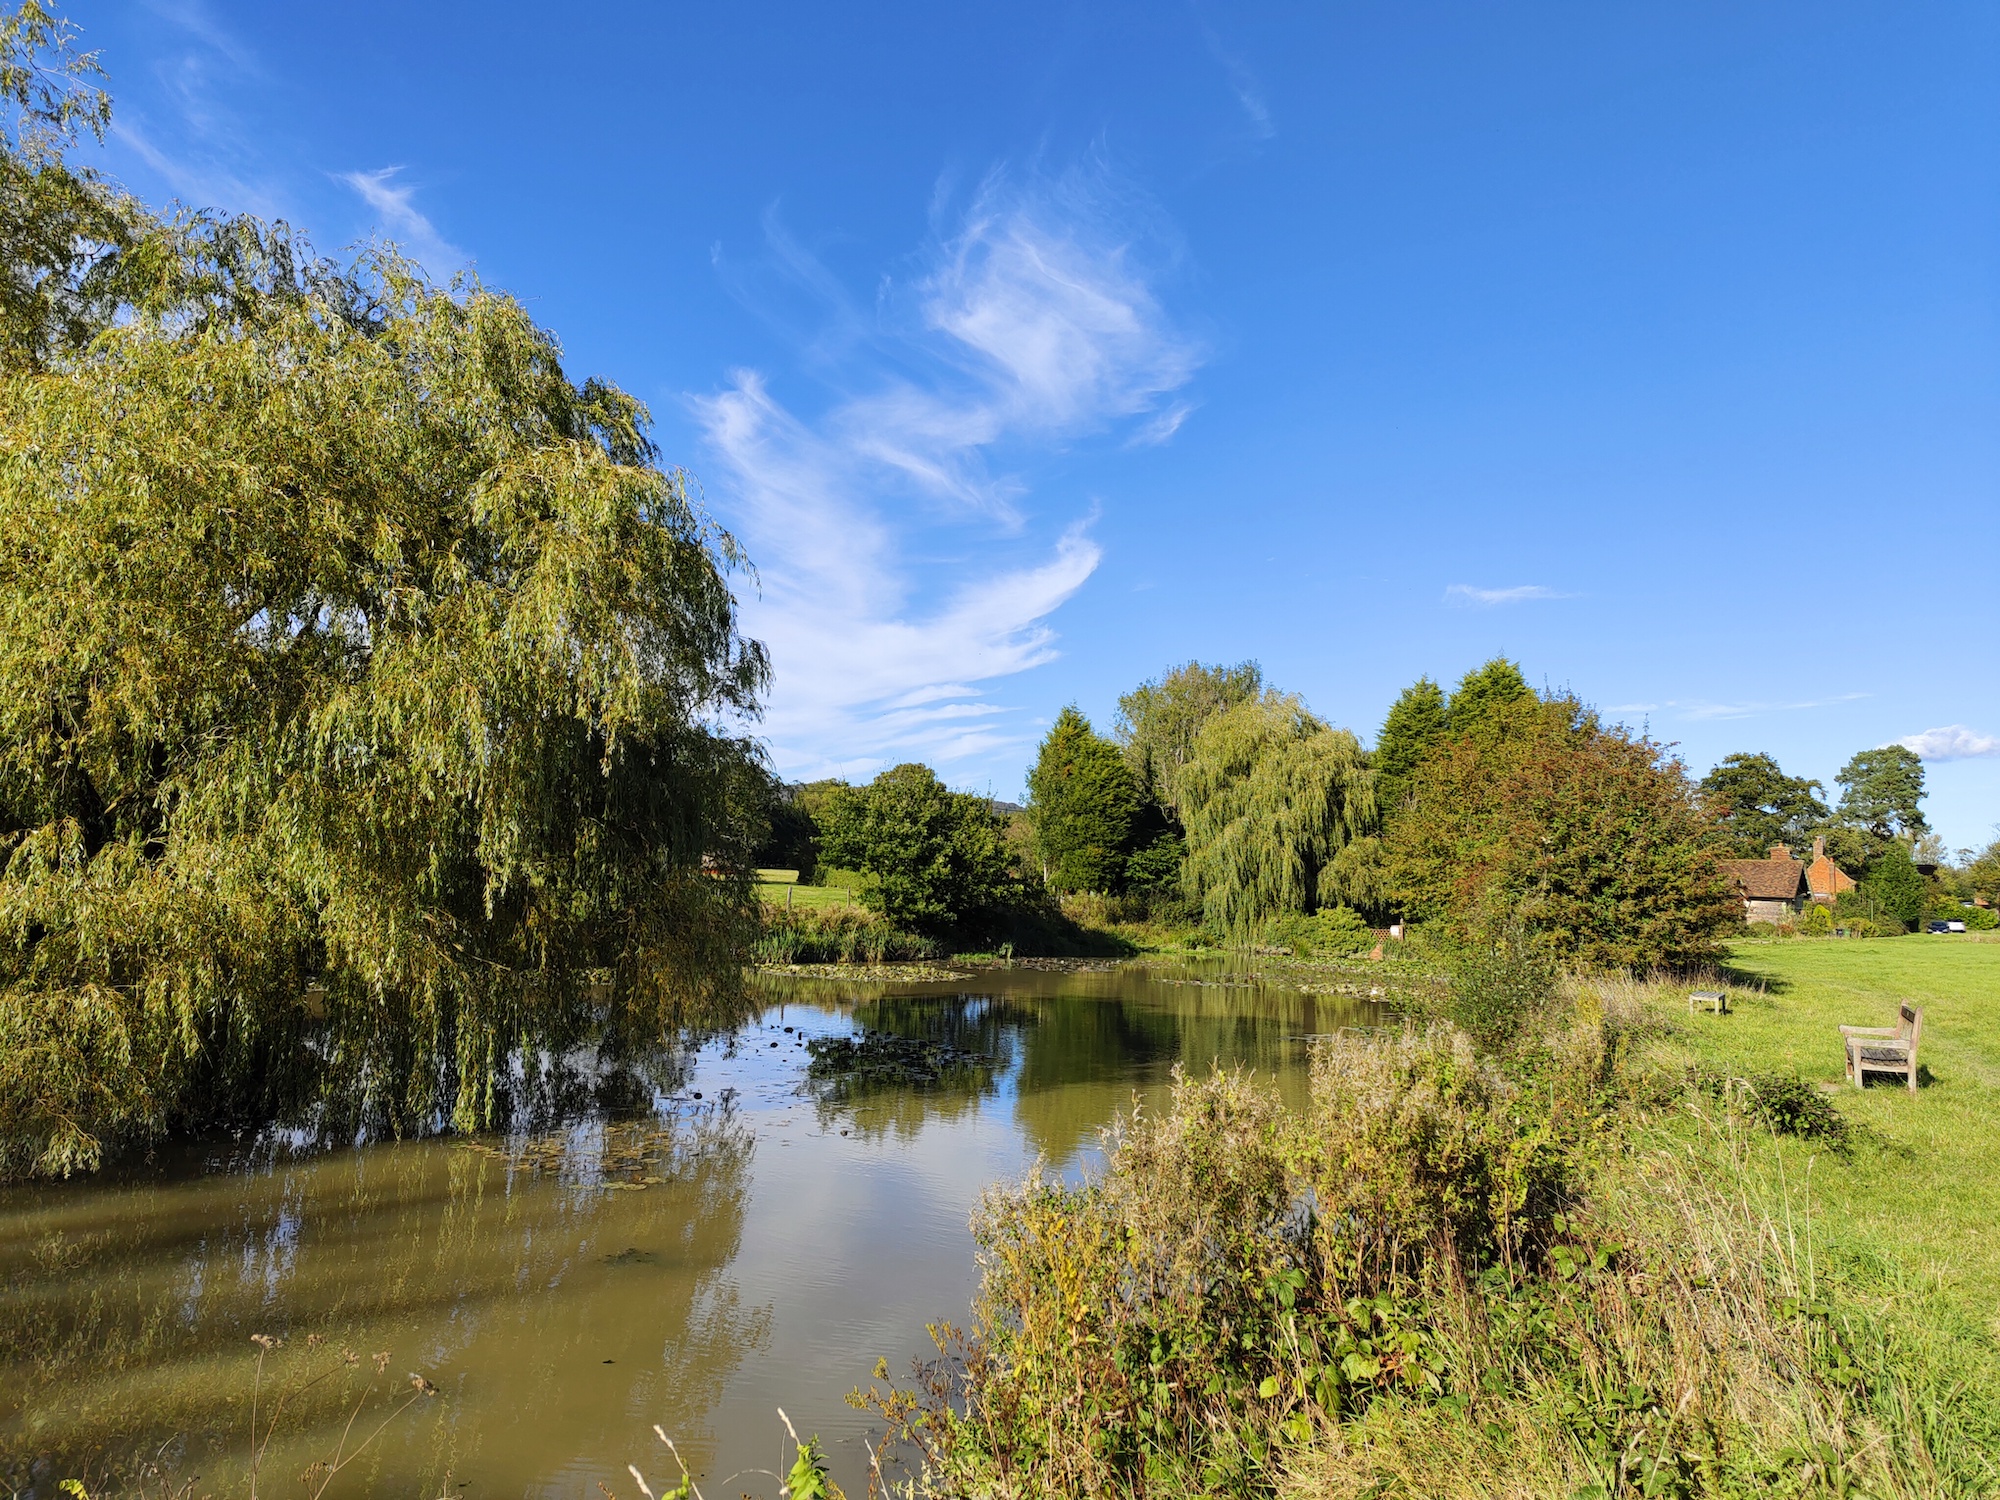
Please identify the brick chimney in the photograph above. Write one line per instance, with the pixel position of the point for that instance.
(1779, 851)
(1819, 846)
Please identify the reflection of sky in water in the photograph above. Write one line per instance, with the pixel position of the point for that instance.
(765, 1248)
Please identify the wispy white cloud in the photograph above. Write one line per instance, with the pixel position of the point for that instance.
(1953, 742)
(198, 21)
(399, 219)
(1162, 427)
(187, 130)
(199, 177)
(1030, 324)
(1243, 83)
(1702, 709)
(191, 131)
(1468, 596)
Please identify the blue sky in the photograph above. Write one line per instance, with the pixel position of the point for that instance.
(1032, 349)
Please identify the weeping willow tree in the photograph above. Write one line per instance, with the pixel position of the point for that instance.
(1270, 797)
(365, 683)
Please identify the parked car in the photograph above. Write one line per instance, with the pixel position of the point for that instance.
(1943, 926)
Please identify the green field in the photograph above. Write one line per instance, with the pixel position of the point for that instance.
(1915, 1208)
(781, 888)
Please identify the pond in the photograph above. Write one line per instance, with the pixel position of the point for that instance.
(775, 1211)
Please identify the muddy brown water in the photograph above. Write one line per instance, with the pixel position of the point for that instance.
(747, 1238)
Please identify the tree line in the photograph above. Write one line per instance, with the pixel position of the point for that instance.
(1221, 802)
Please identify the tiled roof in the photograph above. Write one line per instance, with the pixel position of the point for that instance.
(1765, 879)
(1825, 878)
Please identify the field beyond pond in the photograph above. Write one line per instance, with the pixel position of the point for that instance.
(1917, 1203)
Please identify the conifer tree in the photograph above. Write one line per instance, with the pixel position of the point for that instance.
(1896, 887)
(1085, 806)
(1483, 692)
(1882, 792)
(1416, 722)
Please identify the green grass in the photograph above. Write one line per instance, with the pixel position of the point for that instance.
(785, 892)
(1916, 1207)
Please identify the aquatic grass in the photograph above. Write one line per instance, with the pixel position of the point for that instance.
(837, 934)
(153, 1481)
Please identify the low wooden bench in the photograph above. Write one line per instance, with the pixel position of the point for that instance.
(1880, 1049)
(1715, 1000)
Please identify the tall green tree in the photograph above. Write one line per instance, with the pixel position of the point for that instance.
(1417, 721)
(939, 858)
(1881, 792)
(1759, 806)
(1270, 796)
(1485, 691)
(1895, 887)
(1159, 721)
(1591, 839)
(346, 643)
(1085, 807)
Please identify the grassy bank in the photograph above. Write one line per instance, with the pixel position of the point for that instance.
(1631, 1252)
(1916, 1206)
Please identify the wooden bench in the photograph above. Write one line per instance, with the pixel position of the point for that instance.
(1714, 1000)
(1878, 1049)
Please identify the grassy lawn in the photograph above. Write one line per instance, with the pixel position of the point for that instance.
(780, 888)
(1916, 1207)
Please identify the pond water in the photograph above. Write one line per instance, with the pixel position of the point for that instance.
(753, 1235)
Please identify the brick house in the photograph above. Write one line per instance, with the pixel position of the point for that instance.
(1773, 889)
(1825, 879)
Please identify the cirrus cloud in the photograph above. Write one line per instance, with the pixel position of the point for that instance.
(1469, 596)
(900, 567)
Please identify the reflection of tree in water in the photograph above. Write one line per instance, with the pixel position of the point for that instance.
(1103, 1037)
(533, 1092)
(1076, 1045)
(913, 1058)
(547, 1283)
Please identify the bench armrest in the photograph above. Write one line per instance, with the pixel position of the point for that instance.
(1869, 1031)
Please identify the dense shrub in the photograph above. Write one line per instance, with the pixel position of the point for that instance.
(1499, 981)
(1238, 1275)
(1593, 839)
(1791, 1106)
(1331, 932)
(937, 860)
